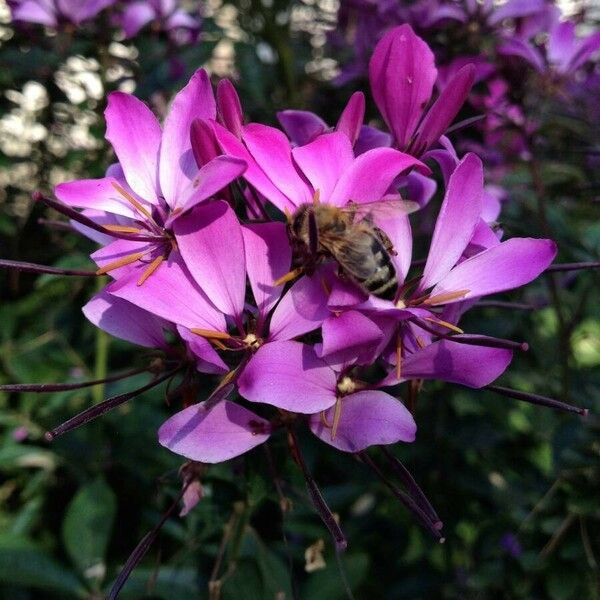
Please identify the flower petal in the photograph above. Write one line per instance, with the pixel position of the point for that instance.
(268, 257)
(126, 321)
(508, 265)
(207, 358)
(229, 109)
(349, 337)
(215, 435)
(135, 134)
(171, 293)
(213, 177)
(459, 215)
(402, 74)
(444, 109)
(302, 309)
(351, 119)
(254, 174)
(271, 150)
(99, 194)
(211, 243)
(473, 366)
(301, 126)
(177, 164)
(367, 419)
(357, 183)
(288, 375)
(324, 160)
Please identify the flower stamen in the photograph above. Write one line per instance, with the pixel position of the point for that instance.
(151, 268)
(133, 201)
(445, 324)
(337, 413)
(121, 262)
(210, 334)
(446, 297)
(290, 276)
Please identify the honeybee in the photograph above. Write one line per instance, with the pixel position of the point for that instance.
(349, 236)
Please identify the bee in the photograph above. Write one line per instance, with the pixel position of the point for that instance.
(349, 236)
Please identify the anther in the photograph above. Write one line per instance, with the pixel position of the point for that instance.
(446, 297)
(151, 268)
(445, 324)
(132, 200)
(121, 262)
(289, 276)
(211, 334)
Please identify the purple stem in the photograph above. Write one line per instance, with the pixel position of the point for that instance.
(28, 267)
(408, 502)
(317, 499)
(93, 412)
(574, 266)
(413, 487)
(63, 387)
(536, 399)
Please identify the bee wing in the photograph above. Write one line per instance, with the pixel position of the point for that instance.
(385, 208)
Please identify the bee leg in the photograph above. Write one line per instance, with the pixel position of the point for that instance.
(385, 240)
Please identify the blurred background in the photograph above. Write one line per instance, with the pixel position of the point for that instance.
(517, 486)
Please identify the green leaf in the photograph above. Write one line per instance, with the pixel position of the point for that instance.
(87, 527)
(23, 563)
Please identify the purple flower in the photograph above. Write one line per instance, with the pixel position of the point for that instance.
(54, 12)
(402, 74)
(165, 13)
(156, 180)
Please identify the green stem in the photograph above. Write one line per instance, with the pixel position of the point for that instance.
(101, 360)
(564, 335)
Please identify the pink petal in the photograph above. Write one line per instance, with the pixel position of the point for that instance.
(206, 357)
(324, 160)
(301, 126)
(254, 173)
(211, 243)
(302, 309)
(459, 214)
(268, 257)
(367, 418)
(472, 366)
(177, 164)
(358, 184)
(223, 432)
(402, 74)
(271, 150)
(135, 134)
(99, 194)
(288, 375)
(523, 49)
(136, 16)
(171, 293)
(351, 119)
(204, 143)
(214, 176)
(349, 336)
(229, 109)
(445, 108)
(509, 265)
(126, 321)
(31, 11)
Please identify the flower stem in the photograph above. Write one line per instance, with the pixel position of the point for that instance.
(101, 360)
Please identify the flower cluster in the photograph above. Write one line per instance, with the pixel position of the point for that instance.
(182, 260)
(278, 265)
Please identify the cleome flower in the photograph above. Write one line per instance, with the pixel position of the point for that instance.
(156, 180)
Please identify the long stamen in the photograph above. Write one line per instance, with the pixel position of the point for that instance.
(211, 334)
(317, 498)
(151, 268)
(317, 197)
(399, 347)
(63, 387)
(81, 218)
(537, 399)
(121, 262)
(412, 486)
(337, 413)
(446, 297)
(132, 201)
(98, 410)
(124, 229)
(289, 276)
(28, 267)
(445, 324)
(407, 500)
